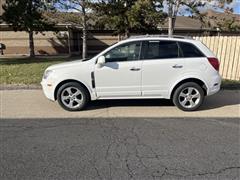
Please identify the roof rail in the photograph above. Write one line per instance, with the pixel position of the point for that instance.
(160, 35)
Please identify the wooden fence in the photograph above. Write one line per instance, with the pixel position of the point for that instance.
(227, 50)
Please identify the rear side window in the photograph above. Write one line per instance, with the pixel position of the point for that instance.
(189, 50)
(161, 50)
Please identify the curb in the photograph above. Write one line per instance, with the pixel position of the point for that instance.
(20, 87)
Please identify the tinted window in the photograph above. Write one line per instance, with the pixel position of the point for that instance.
(190, 50)
(125, 52)
(161, 50)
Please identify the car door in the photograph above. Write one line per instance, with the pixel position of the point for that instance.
(162, 65)
(120, 76)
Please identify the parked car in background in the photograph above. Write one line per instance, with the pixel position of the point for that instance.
(177, 68)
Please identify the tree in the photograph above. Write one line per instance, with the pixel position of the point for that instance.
(229, 22)
(146, 15)
(195, 8)
(126, 15)
(26, 15)
(226, 21)
(187, 6)
(113, 15)
(80, 6)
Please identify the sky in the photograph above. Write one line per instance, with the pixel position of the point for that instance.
(235, 5)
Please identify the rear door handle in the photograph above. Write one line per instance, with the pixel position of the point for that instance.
(135, 69)
(177, 66)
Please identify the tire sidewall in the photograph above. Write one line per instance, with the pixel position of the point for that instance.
(178, 91)
(78, 86)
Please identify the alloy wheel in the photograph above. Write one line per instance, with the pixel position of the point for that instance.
(189, 97)
(72, 97)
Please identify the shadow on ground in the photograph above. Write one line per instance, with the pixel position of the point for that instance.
(212, 102)
(128, 102)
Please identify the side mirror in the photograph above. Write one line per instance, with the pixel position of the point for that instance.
(101, 61)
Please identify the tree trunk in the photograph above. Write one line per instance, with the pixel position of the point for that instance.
(170, 26)
(84, 38)
(173, 8)
(119, 37)
(127, 33)
(31, 44)
(170, 19)
(84, 45)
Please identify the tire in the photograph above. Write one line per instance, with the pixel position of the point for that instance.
(72, 96)
(188, 97)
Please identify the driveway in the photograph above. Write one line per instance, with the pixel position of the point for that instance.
(33, 104)
(120, 149)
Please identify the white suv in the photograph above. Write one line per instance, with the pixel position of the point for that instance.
(177, 68)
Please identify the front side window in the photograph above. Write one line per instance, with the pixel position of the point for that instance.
(125, 52)
(161, 50)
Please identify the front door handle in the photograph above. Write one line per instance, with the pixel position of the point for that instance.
(135, 69)
(177, 66)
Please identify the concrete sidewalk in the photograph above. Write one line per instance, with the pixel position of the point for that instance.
(33, 104)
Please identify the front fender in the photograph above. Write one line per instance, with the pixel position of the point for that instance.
(88, 86)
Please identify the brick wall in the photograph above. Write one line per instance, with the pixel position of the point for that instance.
(49, 43)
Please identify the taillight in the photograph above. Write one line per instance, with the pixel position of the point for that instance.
(214, 62)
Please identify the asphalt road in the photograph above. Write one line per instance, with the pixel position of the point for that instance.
(120, 148)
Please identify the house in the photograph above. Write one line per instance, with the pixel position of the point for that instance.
(68, 38)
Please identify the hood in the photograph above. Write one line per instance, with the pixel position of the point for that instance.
(66, 64)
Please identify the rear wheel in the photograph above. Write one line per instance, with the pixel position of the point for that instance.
(72, 96)
(188, 97)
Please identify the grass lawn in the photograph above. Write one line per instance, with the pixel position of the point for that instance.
(30, 71)
(25, 71)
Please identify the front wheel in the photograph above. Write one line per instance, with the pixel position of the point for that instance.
(188, 97)
(72, 96)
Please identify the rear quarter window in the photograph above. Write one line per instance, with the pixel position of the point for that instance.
(189, 50)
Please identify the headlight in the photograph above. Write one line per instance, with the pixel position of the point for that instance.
(47, 73)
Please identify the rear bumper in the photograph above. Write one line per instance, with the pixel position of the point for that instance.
(214, 86)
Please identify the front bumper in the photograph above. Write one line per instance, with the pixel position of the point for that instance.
(48, 89)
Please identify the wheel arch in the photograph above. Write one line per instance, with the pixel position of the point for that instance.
(67, 81)
(200, 82)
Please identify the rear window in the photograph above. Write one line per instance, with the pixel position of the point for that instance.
(189, 50)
